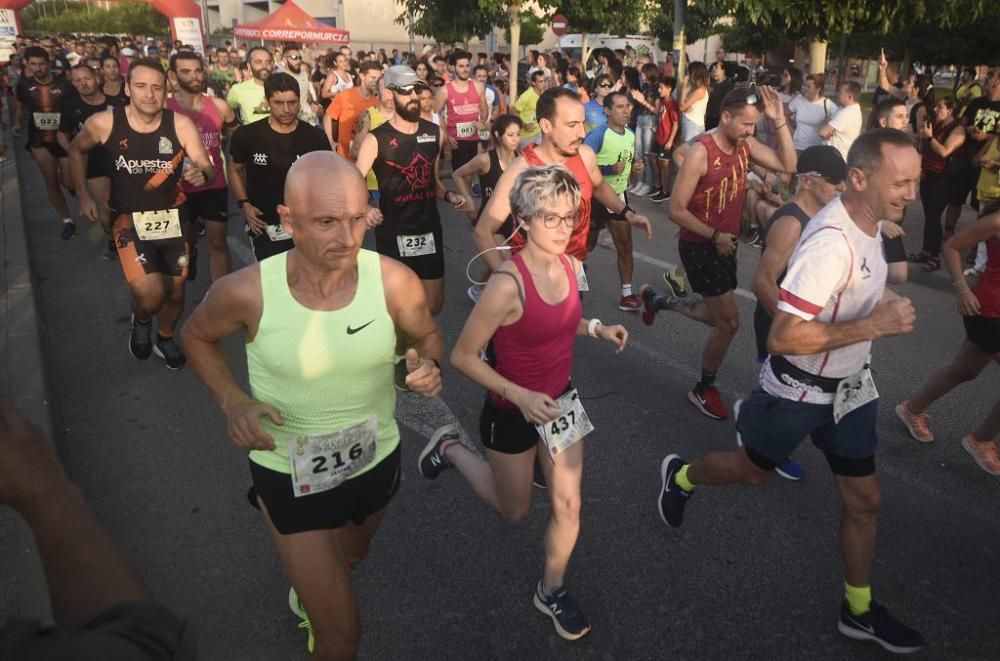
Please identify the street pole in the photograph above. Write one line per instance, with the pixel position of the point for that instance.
(409, 20)
(680, 43)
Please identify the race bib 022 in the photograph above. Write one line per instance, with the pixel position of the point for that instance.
(47, 121)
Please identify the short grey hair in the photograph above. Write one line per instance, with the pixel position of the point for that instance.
(536, 188)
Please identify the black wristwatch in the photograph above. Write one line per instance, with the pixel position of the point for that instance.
(626, 210)
(240, 203)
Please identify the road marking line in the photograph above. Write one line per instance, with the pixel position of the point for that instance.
(667, 266)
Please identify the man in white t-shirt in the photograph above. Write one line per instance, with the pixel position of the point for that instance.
(817, 382)
(846, 124)
(809, 111)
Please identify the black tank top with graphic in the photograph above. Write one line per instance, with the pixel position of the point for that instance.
(145, 167)
(404, 168)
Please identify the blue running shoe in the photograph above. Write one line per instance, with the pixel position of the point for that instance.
(788, 469)
(569, 620)
(878, 625)
(672, 498)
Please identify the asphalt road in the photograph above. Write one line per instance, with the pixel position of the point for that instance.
(754, 573)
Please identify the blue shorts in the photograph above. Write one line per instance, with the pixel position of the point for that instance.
(772, 427)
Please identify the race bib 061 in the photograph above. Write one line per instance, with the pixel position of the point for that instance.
(466, 129)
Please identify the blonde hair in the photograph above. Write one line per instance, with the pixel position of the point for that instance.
(537, 187)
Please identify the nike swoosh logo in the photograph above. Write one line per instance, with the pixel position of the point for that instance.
(870, 629)
(352, 331)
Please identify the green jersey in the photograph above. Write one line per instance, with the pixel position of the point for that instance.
(247, 99)
(612, 147)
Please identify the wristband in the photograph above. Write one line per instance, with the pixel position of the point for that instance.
(626, 209)
(783, 124)
(240, 203)
(592, 327)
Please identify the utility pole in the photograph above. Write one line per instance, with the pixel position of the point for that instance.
(409, 22)
(680, 42)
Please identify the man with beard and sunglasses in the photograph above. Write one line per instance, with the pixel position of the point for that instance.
(404, 153)
(292, 64)
(260, 156)
(208, 203)
(247, 98)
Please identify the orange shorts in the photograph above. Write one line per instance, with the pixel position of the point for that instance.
(168, 257)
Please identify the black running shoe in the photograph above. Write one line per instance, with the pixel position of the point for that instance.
(672, 497)
(569, 620)
(68, 231)
(878, 625)
(110, 253)
(431, 461)
(170, 353)
(139, 344)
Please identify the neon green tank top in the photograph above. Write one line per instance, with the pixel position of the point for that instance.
(617, 146)
(323, 371)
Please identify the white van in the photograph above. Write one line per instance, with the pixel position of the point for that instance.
(572, 44)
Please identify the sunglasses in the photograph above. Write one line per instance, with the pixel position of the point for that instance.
(605, 85)
(294, 57)
(407, 90)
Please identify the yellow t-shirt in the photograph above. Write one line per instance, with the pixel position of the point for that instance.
(525, 107)
(375, 119)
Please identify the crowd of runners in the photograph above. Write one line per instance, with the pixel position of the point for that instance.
(737, 167)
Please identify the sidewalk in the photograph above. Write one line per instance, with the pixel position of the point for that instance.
(22, 380)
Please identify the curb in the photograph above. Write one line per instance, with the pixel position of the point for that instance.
(24, 365)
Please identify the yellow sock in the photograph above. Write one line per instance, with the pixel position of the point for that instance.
(682, 478)
(859, 600)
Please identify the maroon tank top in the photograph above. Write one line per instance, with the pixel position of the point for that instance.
(536, 351)
(987, 289)
(718, 197)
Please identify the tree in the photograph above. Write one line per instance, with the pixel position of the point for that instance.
(121, 18)
(601, 16)
(698, 24)
(449, 21)
(532, 29)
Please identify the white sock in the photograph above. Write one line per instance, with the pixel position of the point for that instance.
(627, 290)
(67, 220)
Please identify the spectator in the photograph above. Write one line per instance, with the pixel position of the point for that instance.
(694, 101)
(845, 126)
(525, 108)
(809, 111)
(721, 86)
(939, 139)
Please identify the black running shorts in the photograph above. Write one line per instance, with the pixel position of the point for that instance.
(138, 258)
(506, 430)
(212, 204)
(427, 267)
(709, 273)
(351, 502)
(772, 427)
(984, 332)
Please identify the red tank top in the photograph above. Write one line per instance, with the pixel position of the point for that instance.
(931, 161)
(536, 351)
(718, 197)
(463, 112)
(209, 125)
(987, 289)
(577, 246)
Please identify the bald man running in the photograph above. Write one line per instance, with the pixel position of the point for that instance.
(320, 322)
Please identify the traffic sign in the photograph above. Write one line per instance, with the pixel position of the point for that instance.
(560, 24)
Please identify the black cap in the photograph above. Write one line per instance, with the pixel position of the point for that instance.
(823, 160)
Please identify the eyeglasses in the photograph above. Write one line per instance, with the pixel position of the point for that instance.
(552, 221)
(406, 90)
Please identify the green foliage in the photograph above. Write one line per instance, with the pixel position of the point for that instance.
(77, 18)
(698, 23)
(449, 21)
(532, 29)
(602, 16)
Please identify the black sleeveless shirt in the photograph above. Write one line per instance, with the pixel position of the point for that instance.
(488, 183)
(145, 167)
(404, 168)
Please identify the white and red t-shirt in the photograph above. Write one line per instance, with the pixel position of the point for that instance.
(836, 274)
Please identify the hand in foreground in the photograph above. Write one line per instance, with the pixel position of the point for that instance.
(424, 376)
(28, 466)
(244, 428)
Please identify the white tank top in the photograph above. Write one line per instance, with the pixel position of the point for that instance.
(693, 121)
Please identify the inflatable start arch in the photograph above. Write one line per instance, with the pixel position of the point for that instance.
(184, 17)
